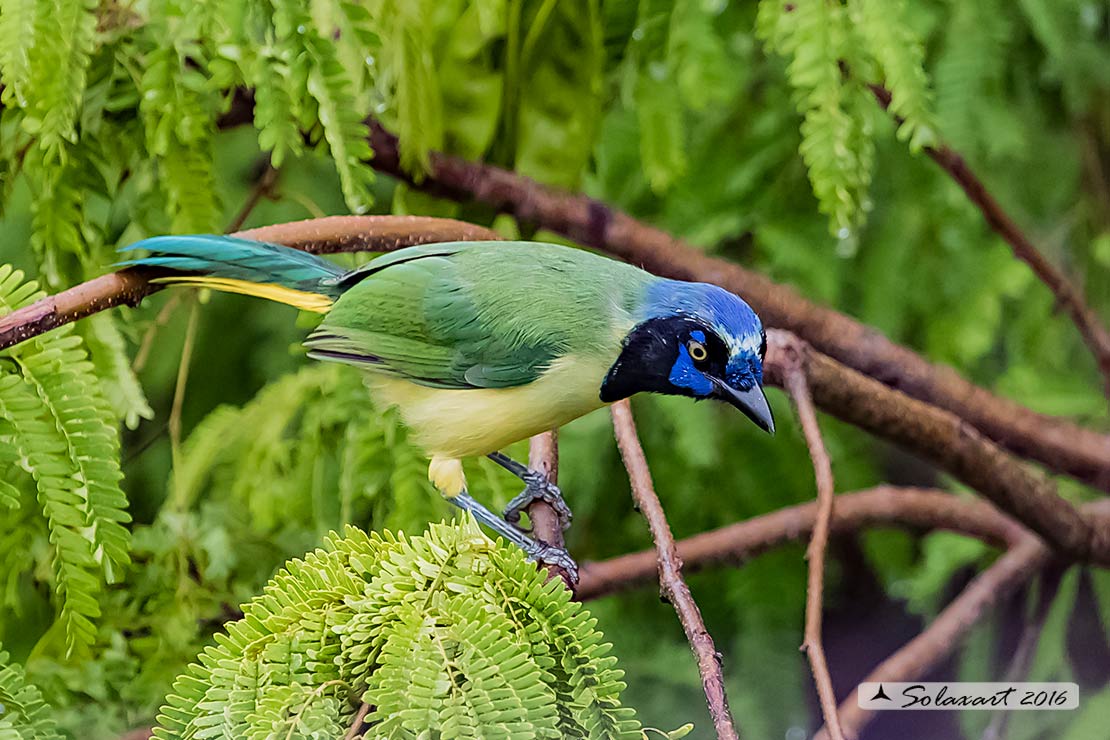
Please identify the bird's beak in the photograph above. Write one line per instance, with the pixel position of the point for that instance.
(752, 402)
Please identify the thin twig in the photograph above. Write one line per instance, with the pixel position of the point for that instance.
(671, 583)
(180, 386)
(1027, 643)
(947, 631)
(543, 457)
(1067, 295)
(357, 724)
(147, 342)
(263, 188)
(813, 646)
(884, 506)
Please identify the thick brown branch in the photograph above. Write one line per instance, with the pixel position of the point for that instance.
(1067, 294)
(813, 646)
(885, 506)
(672, 585)
(123, 288)
(1055, 442)
(368, 233)
(947, 441)
(321, 235)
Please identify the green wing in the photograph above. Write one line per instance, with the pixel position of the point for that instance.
(469, 315)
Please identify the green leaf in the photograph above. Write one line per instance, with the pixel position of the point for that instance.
(447, 632)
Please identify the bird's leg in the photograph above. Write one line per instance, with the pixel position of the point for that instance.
(541, 552)
(536, 488)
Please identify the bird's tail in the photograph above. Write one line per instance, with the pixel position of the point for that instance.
(235, 265)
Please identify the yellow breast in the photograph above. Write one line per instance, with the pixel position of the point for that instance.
(472, 422)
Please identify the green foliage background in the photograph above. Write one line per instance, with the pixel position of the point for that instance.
(745, 128)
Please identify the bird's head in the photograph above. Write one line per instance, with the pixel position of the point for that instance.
(696, 340)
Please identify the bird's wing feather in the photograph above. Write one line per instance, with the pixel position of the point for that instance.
(422, 316)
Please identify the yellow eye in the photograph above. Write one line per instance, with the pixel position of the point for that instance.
(697, 350)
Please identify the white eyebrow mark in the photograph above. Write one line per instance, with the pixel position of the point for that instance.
(736, 345)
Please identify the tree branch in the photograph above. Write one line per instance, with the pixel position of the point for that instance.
(884, 506)
(1053, 441)
(543, 457)
(947, 441)
(923, 653)
(320, 236)
(939, 436)
(947, 631)
(813, 647)
(1067, 295)
(358, 723)
(263, 188)
(673, 587)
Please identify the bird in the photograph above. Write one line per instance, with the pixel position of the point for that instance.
(481, 344)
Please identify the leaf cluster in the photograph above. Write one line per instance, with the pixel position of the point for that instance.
(444, 633)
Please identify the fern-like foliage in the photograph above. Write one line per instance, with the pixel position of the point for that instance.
(408, 76)
(447, 633)
(900, 55)
(814, 35)
(970, 77)
(24, 715)
(60, 427)
(108, 352)
(301, 440)
(833, 49)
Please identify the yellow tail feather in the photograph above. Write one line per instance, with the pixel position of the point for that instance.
(299, 298)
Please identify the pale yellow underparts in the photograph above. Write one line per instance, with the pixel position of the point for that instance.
(453, 424)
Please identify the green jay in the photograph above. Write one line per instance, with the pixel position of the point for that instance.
(482, 344)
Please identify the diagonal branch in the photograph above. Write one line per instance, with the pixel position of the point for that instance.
(1056, 442)
(673, 587)
(1067, 295)
(947, 631)
(919, 656)
(358, 723)
(813, 647)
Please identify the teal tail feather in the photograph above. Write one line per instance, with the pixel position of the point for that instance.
(239, 260)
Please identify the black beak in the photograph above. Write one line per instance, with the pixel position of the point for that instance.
(752, 402)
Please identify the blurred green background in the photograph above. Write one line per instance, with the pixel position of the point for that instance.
(675, 111)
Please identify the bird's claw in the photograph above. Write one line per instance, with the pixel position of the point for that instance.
(538, 488)
(545, 554)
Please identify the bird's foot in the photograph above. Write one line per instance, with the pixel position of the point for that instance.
(538, 488)
(545, 554)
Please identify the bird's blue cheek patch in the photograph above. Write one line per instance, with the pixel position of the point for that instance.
(685, 375)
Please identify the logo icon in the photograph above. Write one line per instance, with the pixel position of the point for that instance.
(880, 694)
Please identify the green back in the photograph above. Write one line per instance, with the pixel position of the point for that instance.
(478, 314)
